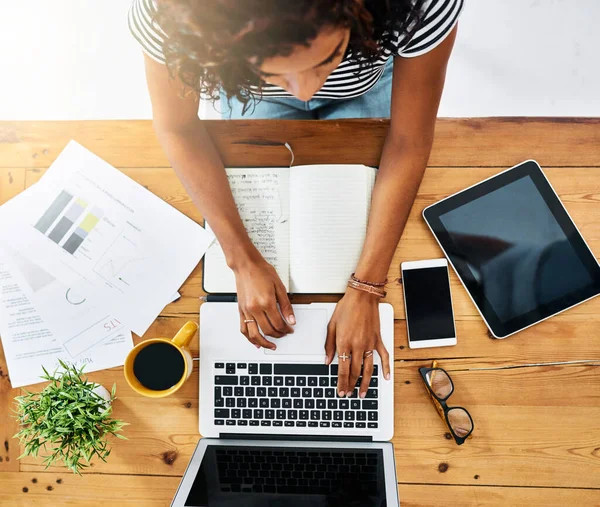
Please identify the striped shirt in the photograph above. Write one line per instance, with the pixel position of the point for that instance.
(348, 80)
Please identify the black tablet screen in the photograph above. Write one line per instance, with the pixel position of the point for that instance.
(523, 259)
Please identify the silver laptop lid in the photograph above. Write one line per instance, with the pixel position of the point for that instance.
(228, 473)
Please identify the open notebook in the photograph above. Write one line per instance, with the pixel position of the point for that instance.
(309, 222)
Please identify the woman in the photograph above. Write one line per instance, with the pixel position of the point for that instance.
(306, 59)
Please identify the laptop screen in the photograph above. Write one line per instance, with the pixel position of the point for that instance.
(284, 476)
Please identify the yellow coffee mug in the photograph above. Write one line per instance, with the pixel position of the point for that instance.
(180, 342)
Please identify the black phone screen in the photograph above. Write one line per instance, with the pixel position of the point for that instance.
(428, 303)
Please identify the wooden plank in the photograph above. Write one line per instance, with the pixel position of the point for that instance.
(158, 491)
(65, 489)
(500, 142)
(426, 495)
(12, 182)
(533, 427)
(9, 447)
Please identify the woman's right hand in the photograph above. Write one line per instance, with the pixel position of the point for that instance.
(259, 291)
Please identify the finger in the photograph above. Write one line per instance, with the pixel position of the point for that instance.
(366, 376)
(243, 326)
(277, 321)
(330, 342)
(265, 325)
(385, 358)
(357, 359)
(285, 306)
(257, 338)
(343, 371)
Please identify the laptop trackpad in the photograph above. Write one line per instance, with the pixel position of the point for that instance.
(309, 335)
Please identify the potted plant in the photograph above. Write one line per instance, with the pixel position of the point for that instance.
(70, 415)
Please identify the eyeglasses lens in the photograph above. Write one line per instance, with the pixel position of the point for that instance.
(460, 422)
(440, 383)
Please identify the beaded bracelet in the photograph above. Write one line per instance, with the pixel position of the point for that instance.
(353, 284)
(372, 284)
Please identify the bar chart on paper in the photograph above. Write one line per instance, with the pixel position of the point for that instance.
(68, 221)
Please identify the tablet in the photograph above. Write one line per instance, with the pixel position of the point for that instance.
(515, 249)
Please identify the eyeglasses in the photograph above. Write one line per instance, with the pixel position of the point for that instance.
(440, 388)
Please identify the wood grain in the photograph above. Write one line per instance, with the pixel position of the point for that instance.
(150, 491)
(499, 142)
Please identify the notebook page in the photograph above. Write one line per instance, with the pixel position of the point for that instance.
(262, 199)
(328, 222)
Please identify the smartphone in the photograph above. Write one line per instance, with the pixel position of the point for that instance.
(428, 304)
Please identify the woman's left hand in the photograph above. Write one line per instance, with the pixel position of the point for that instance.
(354, 330)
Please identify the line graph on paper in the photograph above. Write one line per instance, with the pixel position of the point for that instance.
(123, 261)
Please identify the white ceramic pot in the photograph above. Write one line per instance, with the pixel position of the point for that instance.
(103, 393)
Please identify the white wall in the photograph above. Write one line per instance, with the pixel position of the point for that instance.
(74, 59)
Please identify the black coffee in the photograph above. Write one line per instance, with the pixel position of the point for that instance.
(159, 366)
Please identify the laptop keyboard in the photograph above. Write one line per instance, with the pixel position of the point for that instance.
(295, 472)
(290, 395)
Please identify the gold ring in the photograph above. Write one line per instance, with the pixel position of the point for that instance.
(344, 356)
(368, 353)
(248, 320)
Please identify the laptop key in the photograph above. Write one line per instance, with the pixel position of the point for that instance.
(270, 414)
(344, 404)
(230, 422)
(313, 424)
(334, 370)
(264, 403)
(326, 414)
(289, 381)
(265, 423)
(250, 391)
(289, 423)
(301, 369)
(374, 382)
(348, 424)
(361, 415)
(372, 393)
(324, 424)
(258, 413)
(241, 365)
(312, 381)
(219, 422)
(255, 380)
(306, 392)
(253, 368)
(219, 402)
(333, 382)
(292, 414)
(245, 380)
(309, 403)
(261, 392)
(267, 381)
(253, 423)
(304, 414)
(286, 403)
(228, 391)
(369, 404)
(253, 402)
(278, 381)
(295, 392)
(277, 423)
(298, 403)
(238, 391)
(349, 415)
(247, 413)
(301, 381)
(275, 402)
(301, 424)
(219, 366)
(266, 369)
(284, 392)
(338, 415)
(236, 413)
(315, 415)
(324, 381)
(230, 402)
(242, 422)
(224, 380)
(372, 425)
(329, 393)
(372, 415)
(241, 402)
(321, 404)
(361, 425)
(230, 368)
(281, 414)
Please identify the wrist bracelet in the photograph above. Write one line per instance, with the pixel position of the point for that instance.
(366, 288)
(365, 282)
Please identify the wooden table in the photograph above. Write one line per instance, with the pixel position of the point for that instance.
(535, 397)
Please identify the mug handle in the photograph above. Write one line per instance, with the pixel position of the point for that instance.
(185, 334)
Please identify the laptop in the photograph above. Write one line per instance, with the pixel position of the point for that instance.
(275, 431)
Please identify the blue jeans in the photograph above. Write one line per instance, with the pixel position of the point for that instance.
(375, 103)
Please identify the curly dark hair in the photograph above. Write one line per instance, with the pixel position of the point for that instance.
(216, 45)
